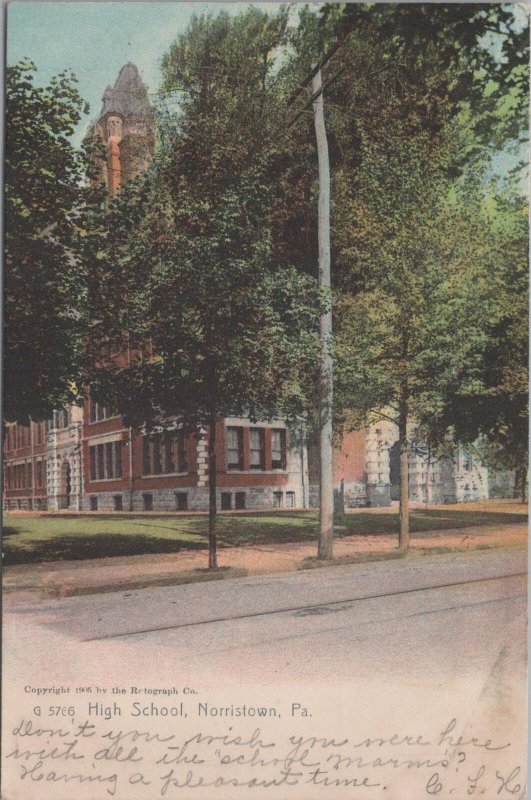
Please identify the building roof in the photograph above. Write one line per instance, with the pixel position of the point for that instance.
(128, 96)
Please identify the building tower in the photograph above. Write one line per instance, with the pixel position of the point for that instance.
(126, 128)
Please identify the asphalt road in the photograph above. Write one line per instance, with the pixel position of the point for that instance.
(458, 608)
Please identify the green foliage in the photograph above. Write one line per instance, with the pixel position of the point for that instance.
(491, 401)
(482, 51)
(44, 279)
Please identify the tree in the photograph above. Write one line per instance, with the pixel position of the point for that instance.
(438, 335)
(44, 278)
(413, 335)
(188, 254)
(488, 397)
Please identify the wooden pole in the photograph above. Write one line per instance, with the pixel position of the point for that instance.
(326, 516)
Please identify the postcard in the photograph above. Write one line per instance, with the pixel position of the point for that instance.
(265, 404)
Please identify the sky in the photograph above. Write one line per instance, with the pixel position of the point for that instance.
(95, 40)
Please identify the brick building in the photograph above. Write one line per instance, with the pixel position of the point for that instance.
(86, 459)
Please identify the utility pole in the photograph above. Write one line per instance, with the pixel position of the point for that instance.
(326, 482)
(326, 515)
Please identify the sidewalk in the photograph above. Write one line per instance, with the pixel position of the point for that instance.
(66, 578)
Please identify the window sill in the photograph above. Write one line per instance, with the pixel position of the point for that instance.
(166, 475)
(104, 480)
(107, 419)
(255, 471)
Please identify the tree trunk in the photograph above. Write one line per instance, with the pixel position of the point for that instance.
(428, 476)
(212, 505)
(524, 482)
(130, 469)
(403, 537)
(326, 504)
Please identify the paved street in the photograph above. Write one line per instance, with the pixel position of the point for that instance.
(415, 641)
(450, 602)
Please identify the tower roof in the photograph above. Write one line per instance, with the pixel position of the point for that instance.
(128, 96)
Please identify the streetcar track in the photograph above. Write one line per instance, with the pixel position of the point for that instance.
(305, 634)
(302, 608)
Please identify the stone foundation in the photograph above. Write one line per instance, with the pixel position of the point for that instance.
(25, 504)
(194, 499)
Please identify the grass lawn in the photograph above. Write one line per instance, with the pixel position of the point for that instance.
(52, 537)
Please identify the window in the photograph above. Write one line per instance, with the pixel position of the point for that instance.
(61, 419)
(226, 501)
(165, 453)
(148, 502)
(93, 501)
(40, 432)
(234, 451)
(181, 501)
(278, 449)
(118, 502)
(22, 436)
(39, 474)
(105, 461)
(257, 449)
(290, 499)
(98, 411)
(277, 499)
(239, 500)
